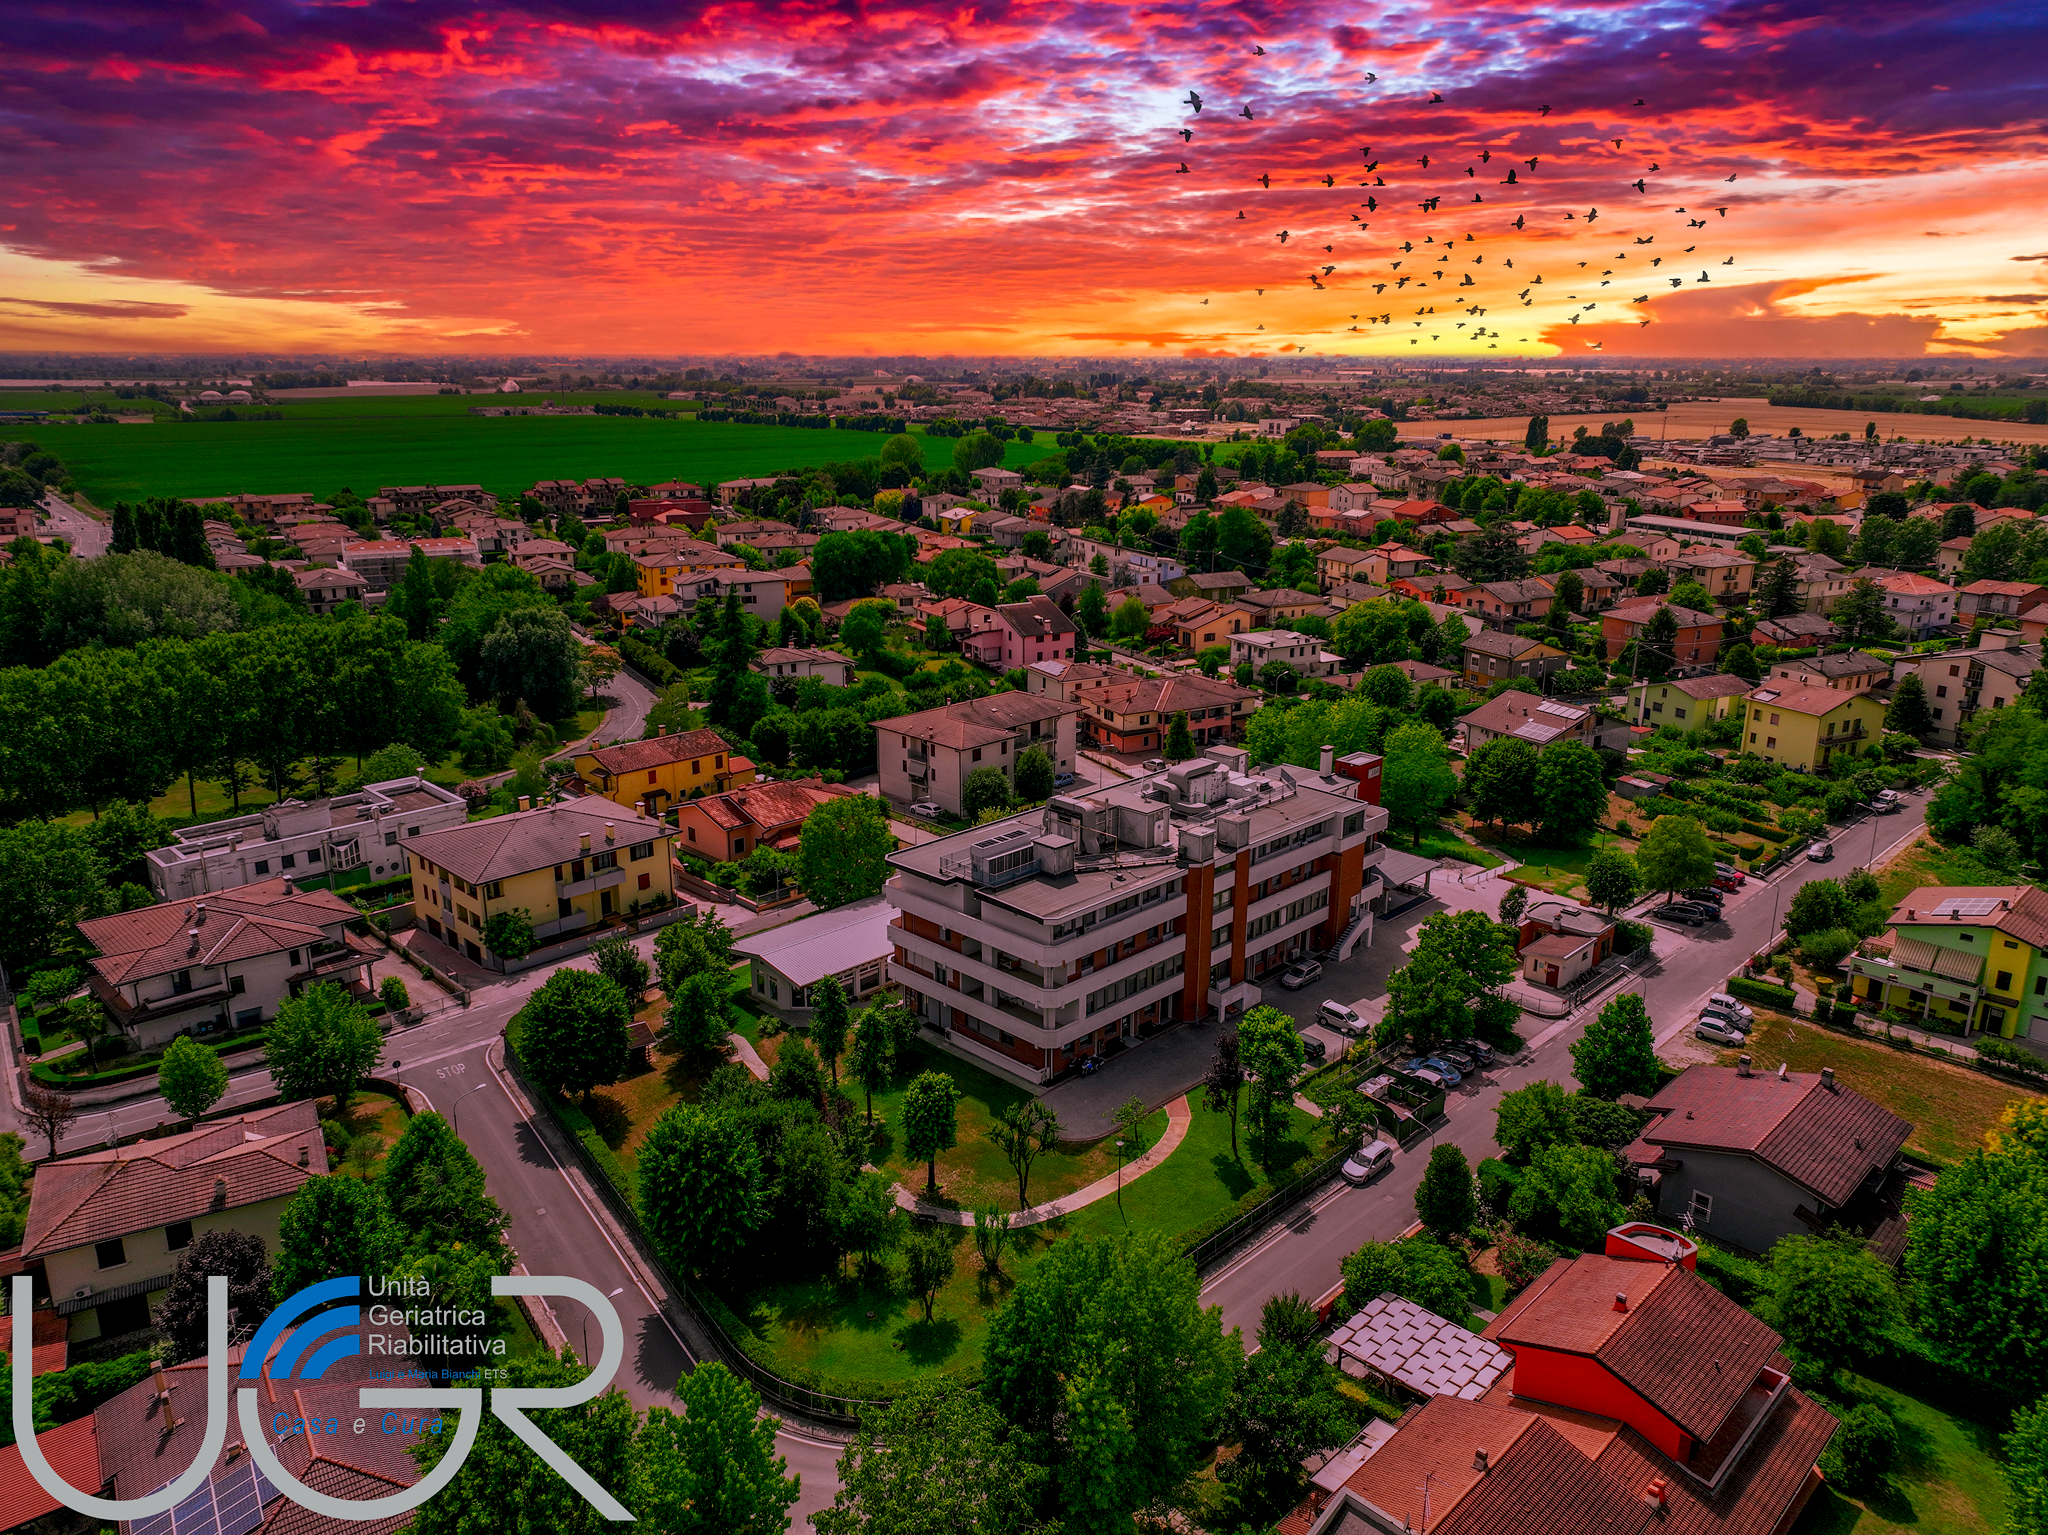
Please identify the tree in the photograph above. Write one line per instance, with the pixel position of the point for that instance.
(830, 1016)
(238, 1255)
(699, 1016)
(1110, 1367)
(1817, 905)
(1536, 437)
(703, 1193)
(509, 934)
(843, 850)
(1024, 1132)
(1909, 711)
(49, 1111)
(1530, 1118)
(986, 788)
(712, 1469)
(1130, 620)
(1451, 986)
(929, 1127)
(1571, 790)
(937, 1457)
(54, 878)
(1675, 854)
(1445, 1202)
(865, 628)
(1416, 781)
(503, 1485)
(1740, 661)
(121, 600)
(1833, 1299)
(1272, 1055)
(620, 963)
(991, 1236)
(1568, 1191)
(872, 1060)
(1859, 612)
(1779, 594)
(1977, 1263)
(1618, 1052)
(1416, 1269)
(927, 1262)
(322, 1041)
(1500, 780)
(1613, 881)
(572, 1032)
(1091, 610)
(1224, 1083)
(435, 1190)
(2026, 1471)
(191, 1077)
(1180, 741)
(331, 1227)
(1739, 427)
(1034, 774)
(1283, 1408)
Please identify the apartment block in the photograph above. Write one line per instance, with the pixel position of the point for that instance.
(1070, 930)
(928, 756)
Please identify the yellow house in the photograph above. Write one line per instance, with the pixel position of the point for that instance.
(655, 773)
(1687, 702)
(1804, 726)
(958, 521)
(569, 867)
(659, 570)
(1962, 958)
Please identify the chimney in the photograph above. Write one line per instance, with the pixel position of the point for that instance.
(609, 832)
(1621, 1300)
(1742, 1065)
(1827, 1078)
(220, 1194)
(1781, 1073)
(1658, 1493)
(1329, 762)
(1479, 1461)
(201, 909)
(525, 802)
(192, 947)
(305, 1156)
(585, 839)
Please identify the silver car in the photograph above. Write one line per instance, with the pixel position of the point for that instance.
(1719, 1031)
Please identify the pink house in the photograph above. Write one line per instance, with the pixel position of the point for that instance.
(1034, 630)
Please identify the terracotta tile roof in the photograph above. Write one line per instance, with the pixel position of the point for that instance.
(1037, 616)
(1720, 685)
(1535, 589)
(769, 805)
(1910, 585)
(1437, 1440)
(72, 1449)
(1161, 695)
(1643, 609)
(1545, 1485)
(267, 917)
(117, 1193)
(659, 751)
(2023, 914)
(512, 844)
(1755, 1494)
(1795, 1124)
(978, 721)
(1850, 663)
(1489, 642)
(1805, 698)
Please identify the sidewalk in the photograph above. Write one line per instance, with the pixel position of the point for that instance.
(1178, 1117)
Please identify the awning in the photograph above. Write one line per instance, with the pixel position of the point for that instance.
(1919, 954)
(72, 1305)
(1399, 868)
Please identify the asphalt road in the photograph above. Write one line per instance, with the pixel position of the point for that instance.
(89, 536)
(1303, 1254)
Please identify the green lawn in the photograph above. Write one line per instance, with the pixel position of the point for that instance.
(324, 445)
(1199, 1181)
(1544, 866)
(1948, 1481)
(1441, 842)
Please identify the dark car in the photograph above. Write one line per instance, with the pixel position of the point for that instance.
(1713, 898)
(1313, 1050)
(1479, 1050)
(1462, 1059)
(1678, 911)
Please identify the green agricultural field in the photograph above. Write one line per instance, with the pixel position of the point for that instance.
(363, 448)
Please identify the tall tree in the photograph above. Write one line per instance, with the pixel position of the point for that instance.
(937, 1457)
(1223, 1084)
(1272, 1055)
(435, 1189)
(1024, 1132)
(830, 1017)
(843, 850)
(532, 656)
(703, 1191)
(243, 1259)
(331, 1227)
(878, 1034)
(1416, 779)
(191, 1077)
(712, 1469)
(1675, 854)
(1500, 780)
(322, 1041)
(1451, 986)
(1860, 612)
(1571, 790)
(1618, 1052)
(929, 1126)
(1833, 1300)
(1977, 1263)
(1909, 712)
(1445, 1202)
(572, 1032)
(1780, 592)
(1613, 880)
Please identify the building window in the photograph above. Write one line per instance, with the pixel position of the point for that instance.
(178, 1236)
(646, 881)
(110, 1255)
(263, 866)
(290, 860)
(391, 839)
(2004, 981)
(1701, 1209)
(237, 985)
(693, 833)
(412, 831)
(652, 775)
(977, 754)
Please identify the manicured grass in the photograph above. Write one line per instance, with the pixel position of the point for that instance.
(1441, 842)
(1544, 866)
(320, 448)
(1948, 1481)
(1950, 1107)
(1202, 1179)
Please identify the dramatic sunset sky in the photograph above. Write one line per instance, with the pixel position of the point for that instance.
(556, 176)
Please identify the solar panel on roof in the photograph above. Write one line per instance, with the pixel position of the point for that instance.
(1967, 906)
(231, 1504)
(1560, 709)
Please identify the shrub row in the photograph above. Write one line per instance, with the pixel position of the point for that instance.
(2012, 1057)
(644, 658)
(1764, 993)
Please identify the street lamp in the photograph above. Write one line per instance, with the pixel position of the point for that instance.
(453, 1122)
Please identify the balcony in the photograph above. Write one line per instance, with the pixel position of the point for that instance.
(603, 879)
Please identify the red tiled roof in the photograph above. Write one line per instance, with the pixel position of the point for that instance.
(659, 751)
(72, 1449)
(227, 1164)
(267, 917)
(1827, 1141)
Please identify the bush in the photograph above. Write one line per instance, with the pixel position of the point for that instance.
(1762, 993)
(1827, 948)
(1521, 1259)
(2011, 1056)
(1864, 1448)
(649, 662)
(1743, 1280)
(394, 995)
(1630, 936)
(1497, 1182)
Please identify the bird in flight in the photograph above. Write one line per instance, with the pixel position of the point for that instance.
(1639, 101)
(1183, 169)
(1265, 180)
(1423, 162)
(1511, 178)
(1436, 96)
(1282, 237)
(1258, 50)
(1371, 78)
(1186, 134)
(1731, 175)
(1329, 181)
(1246, 113)
(1637, 185)
(1722, 211)
(1194, 101)
(1543, 111)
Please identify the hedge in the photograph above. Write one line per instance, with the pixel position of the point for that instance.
(67, 1394)
(1764, 993)
(578, 1124)
(1768, 833)
(1743, 1280)
(2012, 1057)
(646, 659)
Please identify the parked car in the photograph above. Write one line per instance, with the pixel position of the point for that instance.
(1428, 1074)
(1153, 764)
(1444, 1069)
(1735, 1021)
(1459, 1058)
(1727, 883)
(1723, 1002)
(1063, 780)
(1718, 1030)
(1820, 852)
(1885, 801)
(1367, 1163)
(1480, 1051)
(1300, 974)
(1313, 1050)
(1708, 897)
(1335, 1015)
(1679, 911)
(1731, 872)
(926, 808)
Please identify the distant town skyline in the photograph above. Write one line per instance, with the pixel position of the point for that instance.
(1004, 180)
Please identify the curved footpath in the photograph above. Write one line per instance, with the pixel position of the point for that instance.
(1178, 1117)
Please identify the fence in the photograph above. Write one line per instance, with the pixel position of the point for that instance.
(775, 1390)
(1217, 1245)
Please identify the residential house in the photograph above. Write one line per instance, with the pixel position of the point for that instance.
(927, 756)
(1748, 1157)
(1421, 514)
(1850, 670)
(1728, 575)
(1697, 643)
(1388, 563)
(1216, 585)
(1996, 600)
(1821, 579)
(382, 562)
(326, 588)
(1921, 606)
(1798, 631)
(557, 577)
(994, 481)
(314, 841)
(1956, 958)
(724, 828)
(1280, 605)
(973, 627)
(1145, 569)
(1303, 652)
(1035, 943)
(1805, 726)
(850, 944)
(1008, 532)
(1618, 1392)
(1960, 683)
(1130, 714)
(1601, 590)
(222, 961)
(1489, 656)
(1064, 679)
(663, 769)
(1033, 630)
(1338, 564)
(1534, 719)
(1949, 556)
(570, 867)
(107, 1228)
(685, 567)
(2034, 625)
(1504, 604)
(1441, 586)
(801, 661)
(1423, 675)
(1687, 702)
(764, 593)
(1557, 943)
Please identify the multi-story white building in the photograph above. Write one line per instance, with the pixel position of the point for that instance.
(304, 840)
(1303, 652)
(1033, 942)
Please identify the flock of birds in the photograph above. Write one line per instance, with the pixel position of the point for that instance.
(1431, 237)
